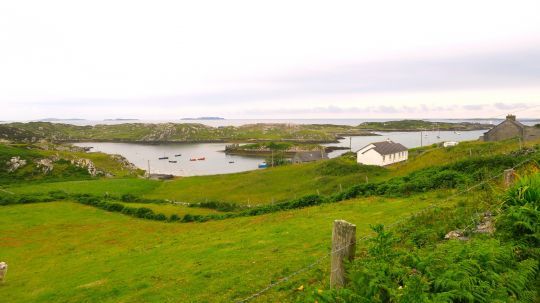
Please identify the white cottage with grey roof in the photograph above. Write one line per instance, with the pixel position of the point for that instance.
(382, 153)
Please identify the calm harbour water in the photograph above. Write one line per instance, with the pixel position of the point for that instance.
(217, 162)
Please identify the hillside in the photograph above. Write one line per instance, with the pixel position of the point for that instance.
(417, 125)
(140, 247)
(193, 132)
(174, 132)
(48, 162)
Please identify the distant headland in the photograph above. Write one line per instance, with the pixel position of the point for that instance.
(204, 118)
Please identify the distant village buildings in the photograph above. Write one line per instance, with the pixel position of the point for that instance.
(382, 153)
(511, 128)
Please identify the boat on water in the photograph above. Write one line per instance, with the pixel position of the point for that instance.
(192, 159)
(178, 155)
(231, 162)
(201, 159)
(173, 161)
(163, 158)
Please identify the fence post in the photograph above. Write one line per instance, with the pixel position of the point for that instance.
(3, 271)
(509, 176)
(343, 248)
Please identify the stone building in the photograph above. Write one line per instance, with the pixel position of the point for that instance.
(511, 128)
(309, 156)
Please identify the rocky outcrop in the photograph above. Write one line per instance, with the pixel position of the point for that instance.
(15, 163)
(455, 234)
(124, 162)
(486, 226)
(45, 165)
(88, 164)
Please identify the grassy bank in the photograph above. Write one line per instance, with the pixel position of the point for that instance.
(69, 252)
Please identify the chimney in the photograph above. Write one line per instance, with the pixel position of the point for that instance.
(511, 117)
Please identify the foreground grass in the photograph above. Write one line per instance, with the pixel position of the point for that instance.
(63, 251)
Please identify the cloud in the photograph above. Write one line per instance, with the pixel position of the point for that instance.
(510, 106)
(422, 109)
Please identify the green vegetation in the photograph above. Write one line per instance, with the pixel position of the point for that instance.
(118, 239)
(483, 268)
(63, 251)
(417, 125)
(46, 162)
(174, 132)
(193, 132)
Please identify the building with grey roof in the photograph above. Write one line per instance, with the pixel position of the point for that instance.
(382, 153)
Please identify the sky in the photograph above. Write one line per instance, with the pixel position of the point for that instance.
(269, 59)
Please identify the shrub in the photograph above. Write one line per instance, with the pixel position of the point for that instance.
(143, 212)
(58, 194)
(128, 198)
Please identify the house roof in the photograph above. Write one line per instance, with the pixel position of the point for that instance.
(516, 123)
(310, 156)
(386, 147)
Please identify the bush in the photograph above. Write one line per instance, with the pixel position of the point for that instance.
(129, 198)
(58, 194)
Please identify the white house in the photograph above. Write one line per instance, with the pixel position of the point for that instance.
(382, 153)
(450, 143)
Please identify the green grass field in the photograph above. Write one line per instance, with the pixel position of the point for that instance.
(67, 252)
(70, 252)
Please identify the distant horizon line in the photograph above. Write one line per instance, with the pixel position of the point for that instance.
(221, 118)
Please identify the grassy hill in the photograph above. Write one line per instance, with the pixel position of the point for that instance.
(66, 251)
(417, 125)
(194, 132)
(47, 162)
(174, 132)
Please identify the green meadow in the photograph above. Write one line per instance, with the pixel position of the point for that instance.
(65, 251)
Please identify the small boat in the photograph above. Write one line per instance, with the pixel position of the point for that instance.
(163, 158)
(263, 165)
(178, 155)
(173, 161)
(192, 159)
(231, 162)
(201, 158)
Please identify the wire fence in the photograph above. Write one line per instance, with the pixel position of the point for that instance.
(394, 224)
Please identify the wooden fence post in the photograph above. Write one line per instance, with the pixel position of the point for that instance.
(509, 176)
(3, 271)
(343, 248)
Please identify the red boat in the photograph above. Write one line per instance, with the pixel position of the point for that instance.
(201, 158)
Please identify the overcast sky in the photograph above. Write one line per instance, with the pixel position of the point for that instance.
(269, 59)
